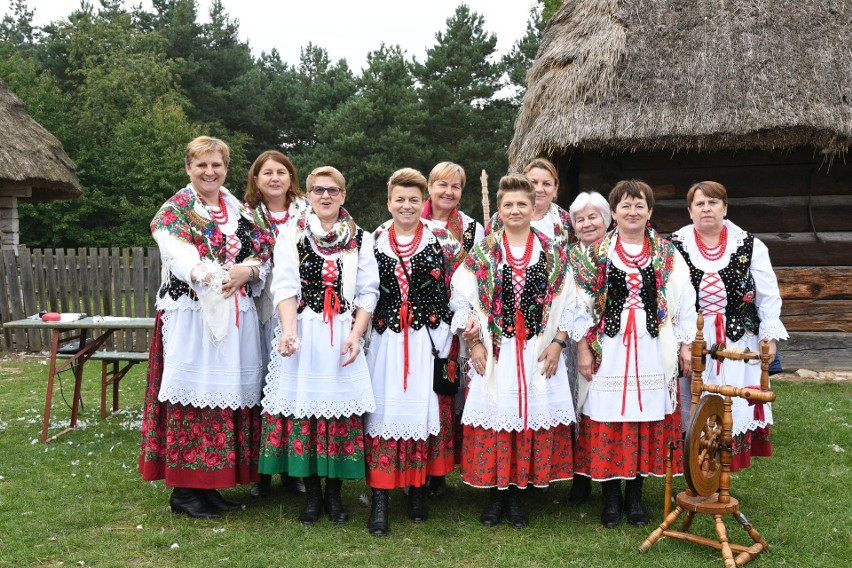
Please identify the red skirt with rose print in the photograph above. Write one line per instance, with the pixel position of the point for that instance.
(400, 463)
(299, 447)
(494, 458)
(623, 450)
(200, 448)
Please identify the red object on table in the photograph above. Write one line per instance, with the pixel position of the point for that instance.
(51, 316)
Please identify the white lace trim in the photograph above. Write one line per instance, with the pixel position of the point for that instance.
(683, 335)
(367, 302)
(749, 425)
(582, 322)
(615, 383)
(566, 320)
(773, 329)
(246, 398)
(402, 431)
(320, 408)
(502, 423)
(461, 316)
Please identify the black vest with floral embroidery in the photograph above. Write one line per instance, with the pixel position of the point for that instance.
(310, 275)
(468, 235)
(427, 292)
(532, 298)
(616, 296)
(176, 288)
(741, 311)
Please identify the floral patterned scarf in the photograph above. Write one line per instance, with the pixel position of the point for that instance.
(455, 223)
(452, 249)
(591, 268)
(340, 238)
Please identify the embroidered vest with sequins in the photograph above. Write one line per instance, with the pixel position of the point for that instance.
(427, 291)
(176, 288)
(532, 299)
(617, 295)
(310, 274)
(468, 235)
(741, 311)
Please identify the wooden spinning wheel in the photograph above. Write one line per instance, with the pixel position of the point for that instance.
(707, 457)
(702, 452)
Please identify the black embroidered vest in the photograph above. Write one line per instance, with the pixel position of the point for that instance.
(741, 311)
(176, 288)
(532, 298)
(468, 235)
(427, 292)
(616, 296)
(310, 275)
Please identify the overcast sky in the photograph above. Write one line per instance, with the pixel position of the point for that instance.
(345, 28)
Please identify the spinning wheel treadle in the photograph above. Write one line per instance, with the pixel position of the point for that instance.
(702, 465)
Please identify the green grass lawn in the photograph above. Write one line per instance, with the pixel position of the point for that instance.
(78, 501)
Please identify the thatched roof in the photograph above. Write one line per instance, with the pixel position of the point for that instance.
(628, 75)
(31, 156)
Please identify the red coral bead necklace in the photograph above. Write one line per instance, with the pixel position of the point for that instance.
(400, 249)
(220, 216)
(522, 262)
(712, 253)
(634, 260)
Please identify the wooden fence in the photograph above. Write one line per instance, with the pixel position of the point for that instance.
(95, 281)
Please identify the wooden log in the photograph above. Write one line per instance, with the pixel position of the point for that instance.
(820, 315)
(814, 282)
(807, 249)
(28, 292)
(816, 351)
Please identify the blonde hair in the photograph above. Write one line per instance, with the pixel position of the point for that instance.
(407, 177)
(326, 171)
(447, 170)
(204, 144)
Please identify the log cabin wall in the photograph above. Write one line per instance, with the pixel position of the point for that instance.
(797, 204)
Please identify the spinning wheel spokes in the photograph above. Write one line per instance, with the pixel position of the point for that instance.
(702, 455)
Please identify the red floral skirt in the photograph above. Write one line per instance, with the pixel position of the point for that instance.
(299, 447)
(400, 463)
(498, 459)
(753, 443)
(187, 446)
(623, 450)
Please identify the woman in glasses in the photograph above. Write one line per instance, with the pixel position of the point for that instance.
(325, 286)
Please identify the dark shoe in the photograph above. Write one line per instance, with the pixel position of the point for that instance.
(636, 514)
(580, 490)
(193, 503)
(293, 485)
(333, 503)
(493, 513)
(263, 488)
(611, 514)
(437, 486)
(417, 504)
(215, 500)
(515, 509)
(378, 521)
(313, 501)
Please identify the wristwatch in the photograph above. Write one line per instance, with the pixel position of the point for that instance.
(561, 342)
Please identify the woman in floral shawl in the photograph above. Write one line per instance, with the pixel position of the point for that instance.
(410, 434)
(636, 285)
(201, 419)
(273, 195)
(325, 286)
(738, 292)
(517, 289)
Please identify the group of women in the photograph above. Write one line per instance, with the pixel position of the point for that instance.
(545, 348)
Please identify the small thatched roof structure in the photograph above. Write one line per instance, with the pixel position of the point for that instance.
(30, 156)
(628, 75)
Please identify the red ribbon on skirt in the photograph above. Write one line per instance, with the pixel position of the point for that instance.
(330, 308)
(631, 341)
(520, 367)
(405, 317)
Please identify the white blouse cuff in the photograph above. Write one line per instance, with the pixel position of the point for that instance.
(773, 329)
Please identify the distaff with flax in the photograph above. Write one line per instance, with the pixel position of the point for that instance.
(273, 196)
(517, 289)
(636, 285)
(738, 291)
(325, 284)
(410, 434)
(445, 185)
(201, 416)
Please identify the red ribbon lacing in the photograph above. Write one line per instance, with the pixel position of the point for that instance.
(712, 293)
(631, 339)
(405, 317)
(330, 299)
(520, 367)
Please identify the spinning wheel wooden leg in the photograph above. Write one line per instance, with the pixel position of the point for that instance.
(687, 521)
(658, 532)
(727, 555)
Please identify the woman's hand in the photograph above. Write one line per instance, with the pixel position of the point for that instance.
(550, 359)
(773, 347)
(240, 275)
(471, 331)
(289, 344)
(352, 345)
(478, 357)
(585, 359)
(686, 360)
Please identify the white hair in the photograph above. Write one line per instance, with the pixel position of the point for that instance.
(584, 199)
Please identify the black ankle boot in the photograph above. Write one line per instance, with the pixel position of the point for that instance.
(333, 503)
(636, 514)
(581, 488)
(493, 513)
(215, 500)
(378, 521)
(313, 501)
(417, 505)
(263, 488)
(437, 486)
(515, 509)
(611, 515)
(192, 503)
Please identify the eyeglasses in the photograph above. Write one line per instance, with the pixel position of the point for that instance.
(332, 191)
